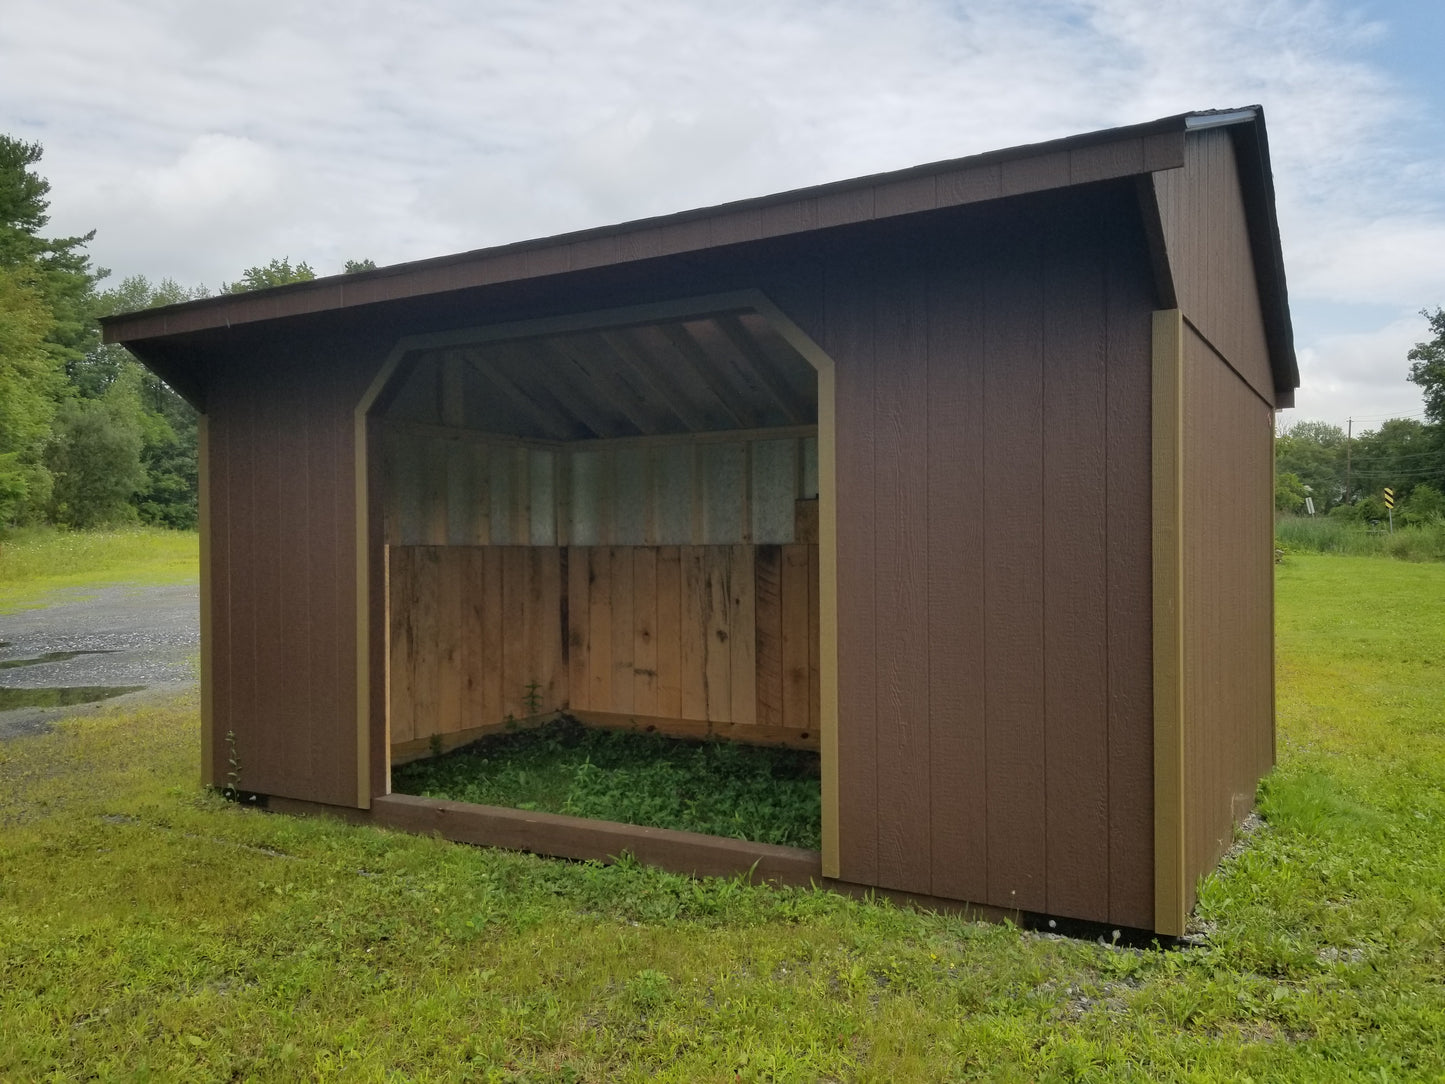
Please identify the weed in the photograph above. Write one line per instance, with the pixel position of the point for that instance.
(532, 697)
(720, 788)
(232, 790)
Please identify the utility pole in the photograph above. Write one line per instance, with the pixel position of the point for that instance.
(1349, 434)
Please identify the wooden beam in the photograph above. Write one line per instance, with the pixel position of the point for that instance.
(1170, 885)
(602, 382)
(695, 358)
(583, 409)
(582, 838)
(547, 422)
(763, 367)
(629, 355)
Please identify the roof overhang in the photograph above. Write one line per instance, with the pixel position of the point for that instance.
(1111, 154)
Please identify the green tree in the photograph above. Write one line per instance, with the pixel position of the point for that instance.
(1427, 366)
(60, 269)
(95, 456)
(276, 273)
(1401, 453)
(1289, 492)
(1425, 505)
(167, 422)
(31, 382)
(1315, 453)
(354, 266)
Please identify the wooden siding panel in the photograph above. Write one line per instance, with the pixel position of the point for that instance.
(644, 631)
(848, 339)
(768, 616)
(743, 636)
(958, 825)
(902, 467)
(218, 689)
(624, 669)
(1075, 588)
(1207, 237)
(1128, 499)
(579, 631)
(1013, 548)
(669, 631)
(717, 653)
(248, 740)
(1227, 604)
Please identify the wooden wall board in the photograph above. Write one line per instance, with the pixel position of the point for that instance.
(958, 824)
(1013, 512)
(902, 464)
(847, 336)
(669, 631)
(1075, 583)
(1207, 237)
(1128, 618)
(1227, 603)
(768, 621)
(661, 632)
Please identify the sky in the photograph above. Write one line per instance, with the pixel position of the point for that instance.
(201, 139)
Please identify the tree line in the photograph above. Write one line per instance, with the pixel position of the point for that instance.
(1346, 474)
(88, 436)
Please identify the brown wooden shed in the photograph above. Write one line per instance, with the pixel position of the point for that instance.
(962, 473)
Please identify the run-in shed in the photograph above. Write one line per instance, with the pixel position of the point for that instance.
(962, 473)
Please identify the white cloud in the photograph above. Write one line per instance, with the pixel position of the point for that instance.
(200, 139)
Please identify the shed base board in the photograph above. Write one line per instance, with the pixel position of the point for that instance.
(689, 853)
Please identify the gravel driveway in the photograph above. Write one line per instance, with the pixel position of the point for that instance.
(125, 634)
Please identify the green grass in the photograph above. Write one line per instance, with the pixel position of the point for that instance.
(149, 931)
(721, 788)
(38, 561)
(1325, 534)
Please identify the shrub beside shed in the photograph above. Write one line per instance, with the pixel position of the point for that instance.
(960, 474)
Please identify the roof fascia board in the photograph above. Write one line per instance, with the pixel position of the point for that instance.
(1097, 156)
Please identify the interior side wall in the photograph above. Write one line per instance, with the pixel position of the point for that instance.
(452, 487)
(995, 739)
(282, 686)
(722, 637)
(1227, 605)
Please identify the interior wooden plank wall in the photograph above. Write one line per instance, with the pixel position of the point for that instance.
(449, 486)
(724, 636)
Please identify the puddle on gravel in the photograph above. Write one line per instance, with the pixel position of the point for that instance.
(49, 656)
(67, 696)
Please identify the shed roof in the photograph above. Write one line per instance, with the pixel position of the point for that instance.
(1110, 154)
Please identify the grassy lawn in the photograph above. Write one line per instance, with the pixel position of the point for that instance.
(35, 563)
(720, 788)
(151, 932)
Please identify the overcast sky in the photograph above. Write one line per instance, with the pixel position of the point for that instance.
(198, 139)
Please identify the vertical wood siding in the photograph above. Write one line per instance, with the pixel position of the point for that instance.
(695, 634)
(1228, 603)
(283, 558)
(993, 548)
(1206, 235)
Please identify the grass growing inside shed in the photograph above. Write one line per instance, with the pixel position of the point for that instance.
(767, 795)
(149, 931)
